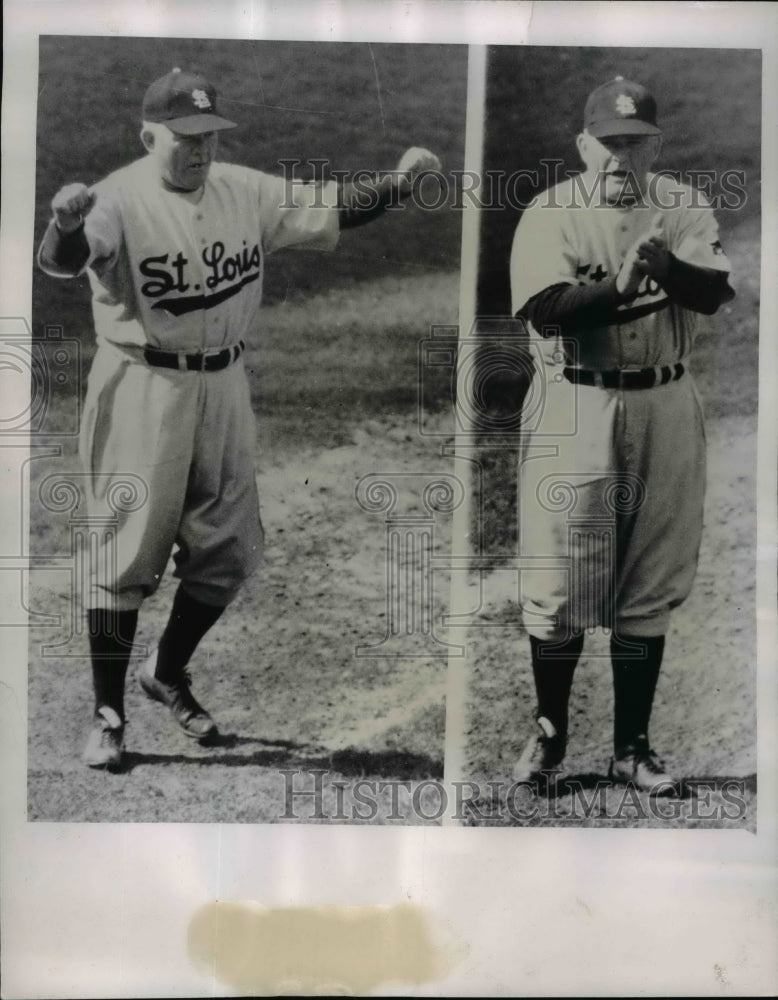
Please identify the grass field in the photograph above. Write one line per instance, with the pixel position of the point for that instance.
(355, 106)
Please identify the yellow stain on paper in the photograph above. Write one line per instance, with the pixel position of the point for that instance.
(317, 949)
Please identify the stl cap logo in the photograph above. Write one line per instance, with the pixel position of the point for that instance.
(625, 105)
(201, 99)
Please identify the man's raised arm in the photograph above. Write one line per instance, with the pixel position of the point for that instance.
(64, 248)
(365, 199)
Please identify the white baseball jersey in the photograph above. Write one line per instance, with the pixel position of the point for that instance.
(180, 275)
(612, 481)
(180, 272)
(564, 237)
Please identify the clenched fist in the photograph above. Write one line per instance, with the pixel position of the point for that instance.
(648, 255)
(70, 204)
(414, 162)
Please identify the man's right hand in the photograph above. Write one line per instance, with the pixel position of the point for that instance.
(70, 204)
(646, 256)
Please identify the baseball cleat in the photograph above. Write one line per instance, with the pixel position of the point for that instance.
(178, 697)
(542, 756)
(104, 746)
(640, 766)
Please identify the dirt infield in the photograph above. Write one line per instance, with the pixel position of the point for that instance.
(704, 717)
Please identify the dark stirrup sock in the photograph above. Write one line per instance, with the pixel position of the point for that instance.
(636, 662)
(111, 635)
(553, 664)
(189, 621)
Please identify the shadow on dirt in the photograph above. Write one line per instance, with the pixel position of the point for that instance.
(305, 757)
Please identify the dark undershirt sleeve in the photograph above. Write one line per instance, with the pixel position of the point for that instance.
(366, 199)
(569, 309)
(701, 289)
(64, 253)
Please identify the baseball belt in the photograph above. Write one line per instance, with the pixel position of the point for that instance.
(643, 378)
(201, 362)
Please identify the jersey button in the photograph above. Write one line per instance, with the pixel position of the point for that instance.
(632, 335)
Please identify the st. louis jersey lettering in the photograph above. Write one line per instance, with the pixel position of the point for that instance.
(169, 274)
(157, 257)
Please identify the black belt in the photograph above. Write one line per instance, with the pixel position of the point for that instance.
(643, 378)
(194, 362)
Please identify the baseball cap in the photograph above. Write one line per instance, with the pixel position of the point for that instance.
(620, 107)
(185, 102)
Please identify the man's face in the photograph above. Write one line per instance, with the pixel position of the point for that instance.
(183, 160)
(620, 162)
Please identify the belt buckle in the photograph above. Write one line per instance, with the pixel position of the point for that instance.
(203, 361)
(213, 362)
(630, 375)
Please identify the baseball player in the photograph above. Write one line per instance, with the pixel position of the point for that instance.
(174, 247)
(612, 268)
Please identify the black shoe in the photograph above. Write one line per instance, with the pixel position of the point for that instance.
(185, 709)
